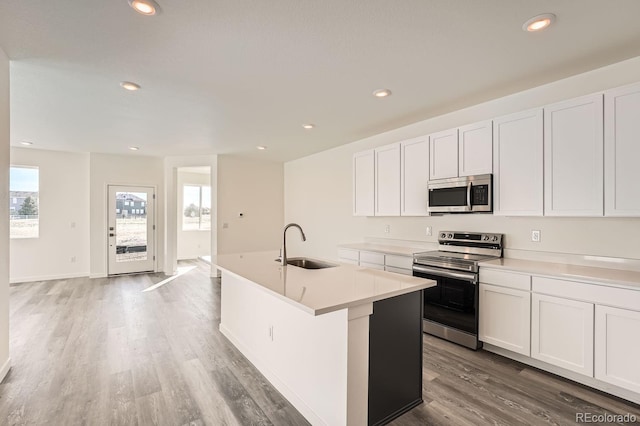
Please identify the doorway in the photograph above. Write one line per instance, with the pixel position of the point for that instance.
(131, 229)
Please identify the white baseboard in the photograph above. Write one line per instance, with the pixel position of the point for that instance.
(15, 280)
(5, 369)
(101, 275)
(285, 390)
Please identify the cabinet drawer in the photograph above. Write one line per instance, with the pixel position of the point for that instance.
(505, 279)
(349, 261)
(396, 261)
(402, 271)
(372, 265)
(372, 257)
(593, 293)
(349, 254)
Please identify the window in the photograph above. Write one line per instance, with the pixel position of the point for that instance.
(24, 202)
(196, 208)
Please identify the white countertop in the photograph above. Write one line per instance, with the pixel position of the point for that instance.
(384, 248)
(318, 291)
(603, 276)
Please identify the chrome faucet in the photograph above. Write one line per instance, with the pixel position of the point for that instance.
(283, 256)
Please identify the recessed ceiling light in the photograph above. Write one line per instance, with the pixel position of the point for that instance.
(134, 148)
(261, 147)
(539, 22)
(382, 93)
(26, 143)
(128, 85)
(145, 7)
(309, 126)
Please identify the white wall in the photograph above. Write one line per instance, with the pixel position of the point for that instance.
(192, 243)
(64, 218)
(254, 188)
(325, 212)
(4, 213)
(106, 169)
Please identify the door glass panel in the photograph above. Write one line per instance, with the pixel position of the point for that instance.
(131, 226)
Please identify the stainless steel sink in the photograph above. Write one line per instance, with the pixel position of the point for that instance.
(306, 263)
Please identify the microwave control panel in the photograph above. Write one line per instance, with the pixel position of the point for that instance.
(480, 195)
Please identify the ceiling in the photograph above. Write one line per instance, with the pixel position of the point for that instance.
(223, 76)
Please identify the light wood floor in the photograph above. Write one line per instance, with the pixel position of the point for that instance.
(102, 352)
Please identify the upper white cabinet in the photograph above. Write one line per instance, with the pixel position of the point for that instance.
(573, 151)
(617, 350)
(475, 149)
(387, 180)
(414, 167)
(622, 151)
(443, 154)
(518, 164)
(363, 183)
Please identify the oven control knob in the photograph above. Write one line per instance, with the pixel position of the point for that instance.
(443, 235)
(495, 238)
(485, 237)
(450, 236)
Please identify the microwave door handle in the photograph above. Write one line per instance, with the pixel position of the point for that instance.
(469, 196)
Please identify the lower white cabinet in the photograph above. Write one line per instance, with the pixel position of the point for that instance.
(377, 260)
(505, 315)
(349, 256)
(617, 347)
(562, 333)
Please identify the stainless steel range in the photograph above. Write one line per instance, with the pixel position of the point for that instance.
(451, 307)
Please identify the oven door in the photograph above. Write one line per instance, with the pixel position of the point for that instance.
(452, 305)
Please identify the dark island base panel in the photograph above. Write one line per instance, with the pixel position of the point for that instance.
(395, 357)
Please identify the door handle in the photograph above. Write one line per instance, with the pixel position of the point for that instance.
(469, 196)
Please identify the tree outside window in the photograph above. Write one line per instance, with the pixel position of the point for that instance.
(24, 220)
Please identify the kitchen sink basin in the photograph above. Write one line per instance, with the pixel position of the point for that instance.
(306, 263)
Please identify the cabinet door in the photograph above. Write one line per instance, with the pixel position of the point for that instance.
(518, 164)
(505, 318)
(414, 156)
(363, 183)
(562, 333)
(387, 182)
(617, 347)
(443, 154)
(475, 149)
(622, 151)
(573, 157)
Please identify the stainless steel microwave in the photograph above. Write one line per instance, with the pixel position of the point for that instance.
(466, 194)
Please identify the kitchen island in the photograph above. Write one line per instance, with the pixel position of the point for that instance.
(342, 344)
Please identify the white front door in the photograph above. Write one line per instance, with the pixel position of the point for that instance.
(131, 229)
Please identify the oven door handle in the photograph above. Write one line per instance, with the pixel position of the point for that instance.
(467, 276)
(469, 207)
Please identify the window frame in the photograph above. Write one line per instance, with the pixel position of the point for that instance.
(11, 235)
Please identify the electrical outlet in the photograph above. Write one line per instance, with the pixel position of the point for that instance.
(225, 225)
(428, 231)
(535, 235)
(387, 229)
(73, 259)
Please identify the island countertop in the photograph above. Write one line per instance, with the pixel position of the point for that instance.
(318, 291)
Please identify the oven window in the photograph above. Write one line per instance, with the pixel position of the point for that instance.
(452, 303)
(448, 197)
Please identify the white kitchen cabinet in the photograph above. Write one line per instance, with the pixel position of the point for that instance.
(363, 183)
(617, 348)
(387, 180)
(475, 149)
(443, 154)
(414, 157)
(504, 318)
(573, 157)
(518, 164)
(562, 332)
(622, 151)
